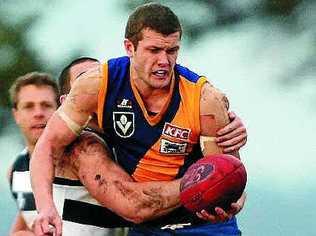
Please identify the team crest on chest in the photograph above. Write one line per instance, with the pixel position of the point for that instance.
(124, 123)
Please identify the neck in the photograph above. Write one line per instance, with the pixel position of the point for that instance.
(146, 91)
(154, 99)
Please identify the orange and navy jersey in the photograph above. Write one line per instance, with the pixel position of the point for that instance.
(150, 147)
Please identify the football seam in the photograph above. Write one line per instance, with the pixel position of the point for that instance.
(226, 176)
(224, 179)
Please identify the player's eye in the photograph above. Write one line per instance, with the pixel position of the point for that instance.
(173, 50)
(154, 50)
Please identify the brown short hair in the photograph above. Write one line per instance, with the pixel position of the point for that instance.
(154, 16)
(34, 78)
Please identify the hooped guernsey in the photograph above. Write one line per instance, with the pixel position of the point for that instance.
(152, 147)
(81, 214)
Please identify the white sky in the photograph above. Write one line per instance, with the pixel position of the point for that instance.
(245, 62)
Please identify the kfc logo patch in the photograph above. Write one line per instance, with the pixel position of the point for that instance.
(176, 132)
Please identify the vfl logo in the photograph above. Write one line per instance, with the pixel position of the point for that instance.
(176, 132)
(168, 147)
(123, 123)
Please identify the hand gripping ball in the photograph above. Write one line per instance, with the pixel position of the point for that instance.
(213, 181)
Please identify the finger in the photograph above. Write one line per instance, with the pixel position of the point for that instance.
(236, 207)
(46, 229)
(223, 216)
(232, 115)
(58, 226)
(209, 217)
(234, 147)
(37, 228)
(228, 128)
(205, 216)
(238, 134)
(236, 123)
(240, 130)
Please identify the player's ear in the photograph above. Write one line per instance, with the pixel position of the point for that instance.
(15, 114)
(129, 47)
(62, 98)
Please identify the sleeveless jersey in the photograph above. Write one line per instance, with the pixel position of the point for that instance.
(150, 147)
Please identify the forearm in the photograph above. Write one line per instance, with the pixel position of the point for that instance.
(42, 175)
(134, 201)
(49, 148)
(110, 185)
(139, 202)
(155, 198)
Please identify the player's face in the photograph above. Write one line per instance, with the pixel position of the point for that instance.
(154, 58)
(35, 106)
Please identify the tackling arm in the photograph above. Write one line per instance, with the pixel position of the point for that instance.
(115, 189)
(79, 105)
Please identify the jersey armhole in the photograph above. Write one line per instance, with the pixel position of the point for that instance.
(197, 99)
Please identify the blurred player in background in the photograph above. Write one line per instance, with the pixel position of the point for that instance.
(34, 98)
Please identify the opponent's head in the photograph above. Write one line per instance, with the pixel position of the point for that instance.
(34, 99)
(152, 41)
(73, 70)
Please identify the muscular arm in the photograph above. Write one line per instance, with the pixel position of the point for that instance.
(115, 189)
(79, 105)
(214, 116)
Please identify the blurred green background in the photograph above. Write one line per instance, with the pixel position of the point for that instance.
(261, 53)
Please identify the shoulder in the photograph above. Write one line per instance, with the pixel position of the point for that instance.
(187, 73)
(85, 89)
(212, 99)
(89, 80)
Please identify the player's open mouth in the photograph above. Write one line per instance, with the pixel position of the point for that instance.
(38, 126)
(161, 73)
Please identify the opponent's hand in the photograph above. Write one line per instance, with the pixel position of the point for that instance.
(48, 222)
(221, 215)
(233, 136)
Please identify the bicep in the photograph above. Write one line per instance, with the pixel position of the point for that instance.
(82, 100)
(213, 110)
(213, 116)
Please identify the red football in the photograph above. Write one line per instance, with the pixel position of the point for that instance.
(214, 180)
